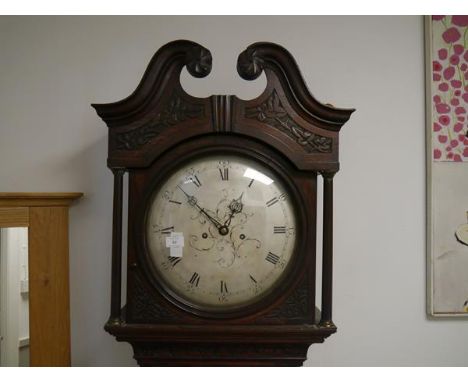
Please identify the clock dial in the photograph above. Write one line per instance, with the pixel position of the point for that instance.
(221, 231)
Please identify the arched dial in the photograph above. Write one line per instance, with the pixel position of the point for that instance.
(236, 222)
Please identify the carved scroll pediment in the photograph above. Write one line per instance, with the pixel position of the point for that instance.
(274, 59)
(274, 114)
(142, 125)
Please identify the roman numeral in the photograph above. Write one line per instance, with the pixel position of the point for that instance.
(224, 288)
(224, 173)
(272, 258)
(174, 260)
(175, 202)
(276, 199)
(166, 231)
(195, 181)
(272, 201)
(279, 229)
(251, 181)
(195, 279)
(251, 278)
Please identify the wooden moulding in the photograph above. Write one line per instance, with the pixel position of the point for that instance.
(46, 216)
(30, 199)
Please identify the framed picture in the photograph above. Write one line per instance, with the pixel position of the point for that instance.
(446, 41)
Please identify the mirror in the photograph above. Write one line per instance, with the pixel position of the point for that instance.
(14, 297)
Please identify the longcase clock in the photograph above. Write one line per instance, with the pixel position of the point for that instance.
(221, 264)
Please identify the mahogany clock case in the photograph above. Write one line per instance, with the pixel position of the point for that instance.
(144, 182)
(157, 129)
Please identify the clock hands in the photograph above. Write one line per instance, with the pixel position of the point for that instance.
(213, 220)
(235, 207)
(192, 200)
(237, 239)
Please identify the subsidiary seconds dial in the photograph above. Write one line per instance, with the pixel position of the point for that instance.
(221, 232)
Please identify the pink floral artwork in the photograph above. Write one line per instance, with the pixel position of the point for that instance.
(450, 88)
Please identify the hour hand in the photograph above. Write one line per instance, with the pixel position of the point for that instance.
(235, 207)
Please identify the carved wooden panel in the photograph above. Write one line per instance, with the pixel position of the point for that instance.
(177, 110)
(273, 113)
(160, 111)
(143, 307)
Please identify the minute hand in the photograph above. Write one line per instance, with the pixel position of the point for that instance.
(193, 202)
(213, 220)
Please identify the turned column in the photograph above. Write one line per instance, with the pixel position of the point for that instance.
(327, 261)
(116, 273)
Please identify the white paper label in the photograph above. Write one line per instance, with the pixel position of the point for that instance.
(175, 243)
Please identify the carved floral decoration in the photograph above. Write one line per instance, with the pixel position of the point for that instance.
(178, 110)
(273, 113)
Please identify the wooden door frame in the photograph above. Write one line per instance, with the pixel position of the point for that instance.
(46, 216)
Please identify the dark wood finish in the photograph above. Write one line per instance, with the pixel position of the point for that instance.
(116, 281)
(327, 259)
(143, 182)
(158, 128)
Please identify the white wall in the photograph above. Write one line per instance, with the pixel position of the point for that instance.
(51, 69)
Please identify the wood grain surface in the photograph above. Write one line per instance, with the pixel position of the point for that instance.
(49, 287)
(14, 217)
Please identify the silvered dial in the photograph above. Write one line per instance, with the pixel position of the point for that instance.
(221, 231)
